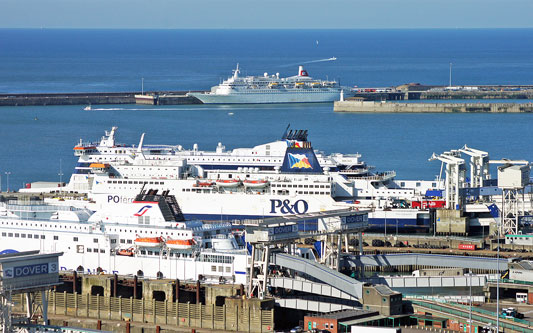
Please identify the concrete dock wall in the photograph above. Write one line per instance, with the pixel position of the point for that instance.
(392, 107)
(66, 99)
(162, 98)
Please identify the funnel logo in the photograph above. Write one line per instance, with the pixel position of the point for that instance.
(142, 211)
(294, 144)
(299, 161)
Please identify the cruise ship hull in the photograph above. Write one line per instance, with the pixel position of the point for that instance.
(273, 97)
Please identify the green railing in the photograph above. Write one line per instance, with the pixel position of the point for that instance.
(512, 281)
(464, 313)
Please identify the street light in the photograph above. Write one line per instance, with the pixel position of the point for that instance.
(7, 181)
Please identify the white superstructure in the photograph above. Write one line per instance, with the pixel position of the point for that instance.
(147, 236)
(300, 88)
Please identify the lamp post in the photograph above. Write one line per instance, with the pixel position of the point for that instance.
(7, 181)
(498, 278)
(470, 312)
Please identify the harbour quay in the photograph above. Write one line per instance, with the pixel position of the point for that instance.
(357, 105)
(417, 91)
(98, 98)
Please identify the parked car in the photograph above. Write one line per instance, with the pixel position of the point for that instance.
(297, 329)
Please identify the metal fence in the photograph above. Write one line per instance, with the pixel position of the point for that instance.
(237, 318)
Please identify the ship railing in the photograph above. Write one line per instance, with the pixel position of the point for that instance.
(354, 171)
(381, 176)
(39, 208)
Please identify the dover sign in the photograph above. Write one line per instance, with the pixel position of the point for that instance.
(30, 270)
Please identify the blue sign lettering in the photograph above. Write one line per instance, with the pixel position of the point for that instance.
(355, 218)
(282, 230)
(285, 206)
(118, 199)
(28, 270)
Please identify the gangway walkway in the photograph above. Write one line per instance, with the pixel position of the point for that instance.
(320, 272)
(315, 304)
(422, 259)
(308, 286)
(432, 281)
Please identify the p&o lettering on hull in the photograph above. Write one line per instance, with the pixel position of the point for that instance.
(286, 207)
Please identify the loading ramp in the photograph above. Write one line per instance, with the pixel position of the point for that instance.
(320, 272)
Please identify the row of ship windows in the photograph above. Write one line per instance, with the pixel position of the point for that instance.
(134, 182)
(95, 250)
(17, 235)
(220, 269)
(303, 192)
(301, 186)
(216, 258)
(235, 160)
(56, 226)
(75, 239)
(60, 226)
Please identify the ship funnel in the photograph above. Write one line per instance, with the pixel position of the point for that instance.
(302, 71)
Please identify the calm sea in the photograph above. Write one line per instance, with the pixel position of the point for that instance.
(35, 139)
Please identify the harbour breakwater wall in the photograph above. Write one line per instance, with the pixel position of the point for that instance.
(392, 107)
(162, 98)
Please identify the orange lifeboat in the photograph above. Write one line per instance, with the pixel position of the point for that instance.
(205, 183)
(255, 183)
(228, 182)
(180, 244)
(148, 241)
(125, 252)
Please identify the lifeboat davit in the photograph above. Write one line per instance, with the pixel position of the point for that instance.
(148, 241)
(228, 182)
(255, 183)
(180, 244)
(125, 252)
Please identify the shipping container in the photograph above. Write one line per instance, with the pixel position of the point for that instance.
(428, 204)
(471, 247)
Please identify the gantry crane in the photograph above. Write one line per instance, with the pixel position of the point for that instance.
(455, 176)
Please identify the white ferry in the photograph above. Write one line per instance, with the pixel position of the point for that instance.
(299, 186)
(93, 156)
(300, 88)
(147, 236)
(279, 178)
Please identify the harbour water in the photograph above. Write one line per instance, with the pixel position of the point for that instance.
(35, 139)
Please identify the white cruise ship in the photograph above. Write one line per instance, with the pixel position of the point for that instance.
(147, 236)
(264, 89)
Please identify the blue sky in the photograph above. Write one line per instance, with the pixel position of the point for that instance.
(266, 14)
